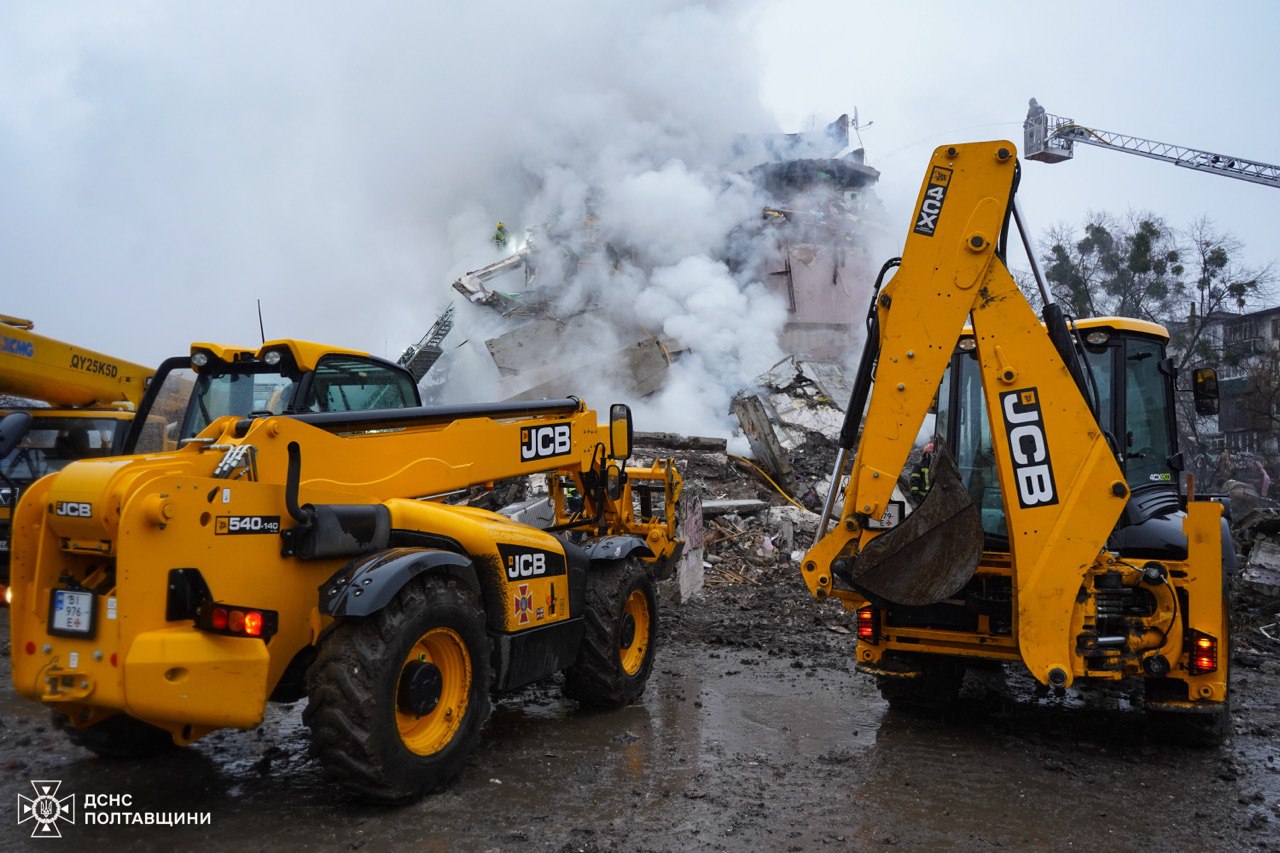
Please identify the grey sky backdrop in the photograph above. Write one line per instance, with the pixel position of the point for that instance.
(165, 164)
(1194, 74)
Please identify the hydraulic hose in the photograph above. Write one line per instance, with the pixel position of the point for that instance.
(301, 514)
(866, 366)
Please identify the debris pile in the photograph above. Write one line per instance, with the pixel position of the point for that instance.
(790, 420)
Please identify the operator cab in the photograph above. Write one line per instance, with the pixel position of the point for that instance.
(1125, 362)
(281, 377)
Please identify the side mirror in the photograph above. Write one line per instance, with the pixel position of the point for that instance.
(613, 481)
(1204, 389)
(13, 427)
(620, 431)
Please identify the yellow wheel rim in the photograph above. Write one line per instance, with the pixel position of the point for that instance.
(428, 733)
(636, 623)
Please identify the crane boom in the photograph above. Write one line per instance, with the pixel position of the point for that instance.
(62, 374)
(1051, 139)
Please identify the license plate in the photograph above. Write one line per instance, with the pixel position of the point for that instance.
(892, 517)
(71, 613)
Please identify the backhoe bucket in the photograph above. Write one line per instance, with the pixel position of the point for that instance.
(932, 554)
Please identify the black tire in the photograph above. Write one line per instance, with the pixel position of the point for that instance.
(1202, 730)
(119, 736)
(599, 678)
(353, 710)
(936, 688)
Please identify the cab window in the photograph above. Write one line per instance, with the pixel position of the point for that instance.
(345, 383)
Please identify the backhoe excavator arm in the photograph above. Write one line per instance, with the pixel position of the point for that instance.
(1062, 487)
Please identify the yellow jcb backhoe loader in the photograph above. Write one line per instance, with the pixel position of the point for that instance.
(1057, 533)
(161, 597)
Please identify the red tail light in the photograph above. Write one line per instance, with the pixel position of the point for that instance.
(234, 621)
(1204, 653)
(868, 626)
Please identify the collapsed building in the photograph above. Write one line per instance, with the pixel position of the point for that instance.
(819, 218)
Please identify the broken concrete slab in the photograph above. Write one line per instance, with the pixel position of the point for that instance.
(691, 574)
(1262, 572)
(711, 509)
(535, 512)
(796, 401)
(672, 441)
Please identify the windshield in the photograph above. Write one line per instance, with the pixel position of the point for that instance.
(971, 447)
(53, 443)
(219, 394)
(1147, 443)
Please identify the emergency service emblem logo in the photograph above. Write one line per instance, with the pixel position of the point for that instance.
(523, 603)
(46, 809)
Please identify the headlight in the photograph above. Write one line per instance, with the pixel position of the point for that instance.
(200, 359)
(968, 344)
(1097, 338)
(272, 357)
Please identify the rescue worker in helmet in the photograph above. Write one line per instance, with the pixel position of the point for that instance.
(501, 236)
(921, 478)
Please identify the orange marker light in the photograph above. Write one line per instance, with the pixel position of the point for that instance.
(235, 621)
(253, 623)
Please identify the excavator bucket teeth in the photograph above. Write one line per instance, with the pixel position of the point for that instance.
(932, 554)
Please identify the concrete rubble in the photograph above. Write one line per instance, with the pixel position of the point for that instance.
(1257, 535)
(791, 420)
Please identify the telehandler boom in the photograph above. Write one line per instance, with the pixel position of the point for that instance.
(1062, 540)
(161, 597)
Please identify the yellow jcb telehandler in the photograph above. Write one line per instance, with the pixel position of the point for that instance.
(1057, 533)
(160, 597)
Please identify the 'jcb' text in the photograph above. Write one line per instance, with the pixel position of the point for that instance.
(1028, 448)
(73, 509)
(541, 442)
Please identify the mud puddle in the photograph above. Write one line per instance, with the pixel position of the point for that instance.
(731, 746)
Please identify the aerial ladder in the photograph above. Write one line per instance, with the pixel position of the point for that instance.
(422, 356)
(1051, 139)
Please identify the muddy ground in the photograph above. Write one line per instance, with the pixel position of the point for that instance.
(754, 732)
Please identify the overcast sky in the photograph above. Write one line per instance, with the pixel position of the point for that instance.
(166, 164)
(1202, 76)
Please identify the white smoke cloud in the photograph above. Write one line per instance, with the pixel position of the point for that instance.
(170, 163)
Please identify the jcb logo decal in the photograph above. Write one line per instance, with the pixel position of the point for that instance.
(73, 509)
(931, 206)
(1028, 448)
(541, 442)
(241, 524)
(523, 563)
